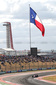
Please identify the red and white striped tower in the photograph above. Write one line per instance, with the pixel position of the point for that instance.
(9, 34)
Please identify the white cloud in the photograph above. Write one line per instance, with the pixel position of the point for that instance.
(2, 40)
(50, 7)
(12, 1)
(39, 1)
(3, 5)
(2, 32)
(16, 7)
(4, 18)
(49, 22)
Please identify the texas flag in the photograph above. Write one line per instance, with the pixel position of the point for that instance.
(35, 19)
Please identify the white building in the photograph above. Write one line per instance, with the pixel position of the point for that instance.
(7, 51)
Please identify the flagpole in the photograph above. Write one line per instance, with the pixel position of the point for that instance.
(29, 28)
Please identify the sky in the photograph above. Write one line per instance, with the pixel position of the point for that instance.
(17, 12)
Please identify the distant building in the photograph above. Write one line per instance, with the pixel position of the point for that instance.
(7, 51)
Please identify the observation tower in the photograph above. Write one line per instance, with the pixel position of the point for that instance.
(8, 35)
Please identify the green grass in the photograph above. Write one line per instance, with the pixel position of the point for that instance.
(4, 83)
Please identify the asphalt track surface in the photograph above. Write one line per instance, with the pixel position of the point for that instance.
(27, 79)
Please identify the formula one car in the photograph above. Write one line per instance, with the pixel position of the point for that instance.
(34, 75)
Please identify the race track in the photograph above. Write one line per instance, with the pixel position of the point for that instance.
(26, 78)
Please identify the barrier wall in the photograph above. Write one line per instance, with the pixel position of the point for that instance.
(24, 70)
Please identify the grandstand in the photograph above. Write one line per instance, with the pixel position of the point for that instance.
(12, 63)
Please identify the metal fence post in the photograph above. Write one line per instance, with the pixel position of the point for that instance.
(29, 65)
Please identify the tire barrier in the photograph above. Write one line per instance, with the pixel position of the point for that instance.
(24, 70)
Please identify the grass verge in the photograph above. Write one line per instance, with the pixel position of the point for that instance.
(4, 83)
(50, 78)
